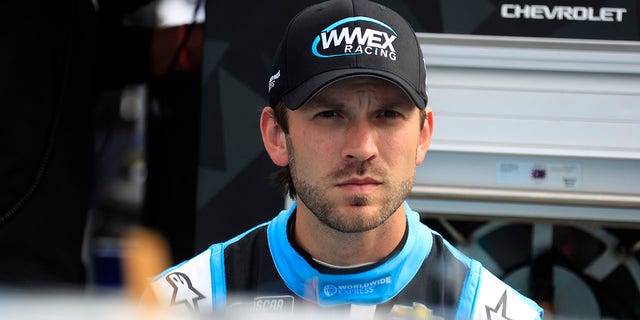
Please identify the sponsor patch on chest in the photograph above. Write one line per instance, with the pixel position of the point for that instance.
(272, 304)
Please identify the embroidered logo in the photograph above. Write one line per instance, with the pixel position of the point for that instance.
(342, 39)
(183, 291)
(272, 304)
(500, 310)
(272, 80)
(355, 288)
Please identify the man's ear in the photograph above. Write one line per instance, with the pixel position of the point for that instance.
(273, 138)
(425, 136)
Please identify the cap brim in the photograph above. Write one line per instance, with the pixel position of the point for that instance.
(295, 98)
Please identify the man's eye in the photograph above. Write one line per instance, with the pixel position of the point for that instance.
(327, 114)
(389, 114)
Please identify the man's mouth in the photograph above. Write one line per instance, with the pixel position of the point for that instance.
(359, 185)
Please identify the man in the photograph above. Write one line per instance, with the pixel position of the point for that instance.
(348, 122)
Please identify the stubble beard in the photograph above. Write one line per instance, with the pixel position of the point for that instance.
(316, 199)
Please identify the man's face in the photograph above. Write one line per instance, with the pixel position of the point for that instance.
(353, 150)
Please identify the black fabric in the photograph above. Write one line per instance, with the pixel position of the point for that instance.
(46, 140)
(439, 282)
(48, 87)
(249, 266)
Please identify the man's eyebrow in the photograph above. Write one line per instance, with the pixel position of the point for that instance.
(323, 102)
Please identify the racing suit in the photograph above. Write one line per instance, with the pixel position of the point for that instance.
(264, 270)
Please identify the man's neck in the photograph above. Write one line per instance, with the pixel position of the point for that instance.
(347, 249)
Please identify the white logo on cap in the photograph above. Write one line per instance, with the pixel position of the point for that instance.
(334, 41)
(272, 80)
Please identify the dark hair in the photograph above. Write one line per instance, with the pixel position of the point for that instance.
(282, 178)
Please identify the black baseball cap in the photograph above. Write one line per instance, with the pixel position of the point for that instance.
(338, 39)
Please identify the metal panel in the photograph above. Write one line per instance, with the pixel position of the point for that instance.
(532, 129)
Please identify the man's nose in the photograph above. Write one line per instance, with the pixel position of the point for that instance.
(360, 141)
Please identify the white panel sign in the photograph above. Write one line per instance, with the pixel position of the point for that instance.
(538, 174)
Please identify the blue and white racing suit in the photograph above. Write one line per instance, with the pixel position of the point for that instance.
(263, 270)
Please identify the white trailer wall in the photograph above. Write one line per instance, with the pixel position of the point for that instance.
(533, 129)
